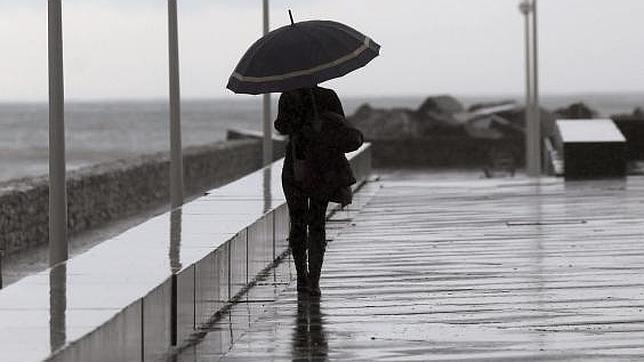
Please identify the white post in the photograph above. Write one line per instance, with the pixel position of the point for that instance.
(58, 247)
(176, 155)
(532, 113)
(525, 10)
(267, 149)
(536, 115)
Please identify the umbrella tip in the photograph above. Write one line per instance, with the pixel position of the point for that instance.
(290, 15)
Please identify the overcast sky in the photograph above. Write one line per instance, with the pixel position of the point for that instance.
(117, 48)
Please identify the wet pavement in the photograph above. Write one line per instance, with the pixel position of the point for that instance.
(458, 269)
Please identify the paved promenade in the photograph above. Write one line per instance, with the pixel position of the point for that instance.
(452, 268)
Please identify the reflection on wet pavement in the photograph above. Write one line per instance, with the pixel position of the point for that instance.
(174, 249)
(239, 333)
(464, 270)
(309, 338)
(58, 306)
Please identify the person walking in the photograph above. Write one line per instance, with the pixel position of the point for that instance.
(294, 59)
(315, 172)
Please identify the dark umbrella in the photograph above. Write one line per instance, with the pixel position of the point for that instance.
(301, 55)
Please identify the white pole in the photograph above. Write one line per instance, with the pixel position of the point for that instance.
(176, 156)
(525, 9)
(58, 247)
(535, 94)
(267, 149)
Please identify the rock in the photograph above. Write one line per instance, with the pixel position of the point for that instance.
(438, 113)
(382, 124)
(517, 118)
(576, 111)
(632, 126)
(444, 105)
(637, 115)
(479, 106)
(445, 116)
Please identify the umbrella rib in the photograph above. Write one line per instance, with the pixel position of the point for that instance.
(298, 73)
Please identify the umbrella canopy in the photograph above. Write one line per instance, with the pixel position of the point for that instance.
(301, 55)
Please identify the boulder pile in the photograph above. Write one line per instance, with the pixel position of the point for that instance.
(446, 116)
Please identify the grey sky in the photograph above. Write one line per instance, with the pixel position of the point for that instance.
(117, 49)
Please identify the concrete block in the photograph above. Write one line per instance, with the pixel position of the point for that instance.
(238, 263)
(208, 286)
(260, 245)
(185, 304)
(157, 322)
(281, 221)
(120, 339)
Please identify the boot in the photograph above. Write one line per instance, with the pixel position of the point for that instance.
(299, 257)
(317, 244)
(316, 257)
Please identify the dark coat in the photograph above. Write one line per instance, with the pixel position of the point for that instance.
(324, 149)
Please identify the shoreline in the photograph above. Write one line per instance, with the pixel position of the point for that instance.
(108, 130)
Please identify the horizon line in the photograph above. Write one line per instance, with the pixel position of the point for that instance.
(242, 98)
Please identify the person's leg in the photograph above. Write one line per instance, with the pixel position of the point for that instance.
(317, 242)
(297, 210)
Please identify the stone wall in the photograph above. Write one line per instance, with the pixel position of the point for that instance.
(114, 190)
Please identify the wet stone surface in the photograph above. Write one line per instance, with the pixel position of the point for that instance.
(457, 269)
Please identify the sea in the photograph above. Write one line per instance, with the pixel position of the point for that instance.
(101, 131)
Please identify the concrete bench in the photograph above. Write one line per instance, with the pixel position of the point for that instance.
(134, 297)
(593, 148)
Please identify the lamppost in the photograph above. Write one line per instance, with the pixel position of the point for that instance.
(267, 149)
(176, 155)
(58, 247)
(536, 106)
(267, 144)
(533, 113)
